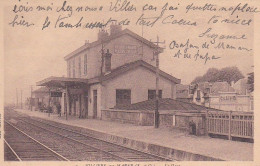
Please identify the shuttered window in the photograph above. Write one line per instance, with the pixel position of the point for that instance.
(85, 64)
(123, 96)
(152, 94)
(79, 66)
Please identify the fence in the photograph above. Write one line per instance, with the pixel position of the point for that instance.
(232, 124)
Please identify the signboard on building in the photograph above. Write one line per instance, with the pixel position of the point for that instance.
(126, 49)
(56, 94)
(227, 98)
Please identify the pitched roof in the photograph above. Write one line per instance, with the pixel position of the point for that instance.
(44, 90)
(213, 88)
(130, 66)
(109, 38)
(61, 81)
(241, 86)
(220, 87)
(164, 104)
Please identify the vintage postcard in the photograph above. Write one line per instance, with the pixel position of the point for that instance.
(129, 82)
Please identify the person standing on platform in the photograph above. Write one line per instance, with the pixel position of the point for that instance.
(59, 109)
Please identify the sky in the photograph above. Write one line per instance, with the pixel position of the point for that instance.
(32, 54)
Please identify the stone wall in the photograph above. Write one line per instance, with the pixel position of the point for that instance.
(178, 119)
(123, 116)
(184, 121)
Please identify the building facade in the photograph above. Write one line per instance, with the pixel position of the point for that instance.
(117, 69)
(222, 96)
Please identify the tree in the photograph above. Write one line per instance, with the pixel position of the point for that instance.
(230, 74)
(211, 75)
(227, 74)
(250, 81)
(197, 79)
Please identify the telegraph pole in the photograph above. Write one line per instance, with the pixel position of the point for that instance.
(31, 98)
(102, 60)
(21, 99)
(102, 55)
(16, 98)
(156, 113)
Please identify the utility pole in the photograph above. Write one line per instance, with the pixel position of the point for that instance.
(156, 113)
(102, 56)
(31, 98)
(16, 98)
(102, 61)
(21, 99)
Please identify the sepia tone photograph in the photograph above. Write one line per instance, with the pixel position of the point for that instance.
(128, 81)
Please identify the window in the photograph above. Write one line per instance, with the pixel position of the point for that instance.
(252, 104)
(108, 61)
(152, 94)
(73, 70)
(79, 66)
(85, 64)
(198, 95)
(123, 96)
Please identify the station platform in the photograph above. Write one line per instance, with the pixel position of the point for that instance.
(166, 141)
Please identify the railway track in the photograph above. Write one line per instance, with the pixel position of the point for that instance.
(10, 154)
(114, 150)
(19, 146)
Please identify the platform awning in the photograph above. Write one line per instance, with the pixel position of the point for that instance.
(62, 82)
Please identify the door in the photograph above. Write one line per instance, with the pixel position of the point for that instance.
(94, 104)
(65, 104)
(86, 105)
(74, 105)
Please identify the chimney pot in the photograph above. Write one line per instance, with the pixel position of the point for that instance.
(102, 35)
(115, 29)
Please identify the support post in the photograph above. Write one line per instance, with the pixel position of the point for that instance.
(229, 130)
(68, 102)
(207, 121)
(86, 97)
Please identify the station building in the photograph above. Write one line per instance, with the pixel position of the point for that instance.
(117, 69)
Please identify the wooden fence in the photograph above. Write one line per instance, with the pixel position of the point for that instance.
(232, 124)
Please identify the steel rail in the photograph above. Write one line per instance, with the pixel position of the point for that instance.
(39, 143)
(87, 136)
(111, 154)
(12, 150)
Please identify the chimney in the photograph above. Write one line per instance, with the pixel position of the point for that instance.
(115, 29)
(108, 61)
(102, 34)
(86, 42)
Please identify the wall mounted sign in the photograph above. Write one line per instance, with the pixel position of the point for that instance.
(126, 49)
(227, 98)
(56, 94)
